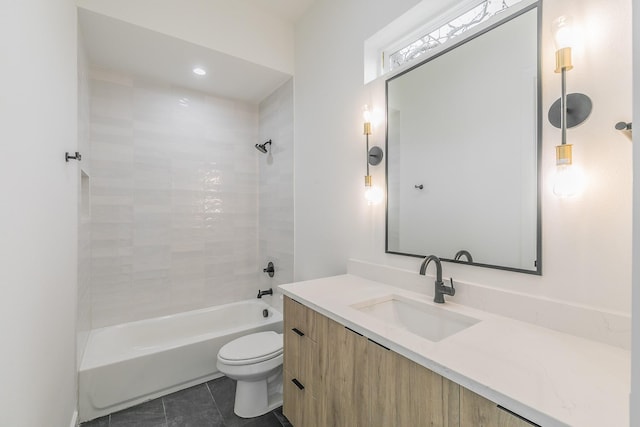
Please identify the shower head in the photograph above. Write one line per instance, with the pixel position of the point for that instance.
(263, 147)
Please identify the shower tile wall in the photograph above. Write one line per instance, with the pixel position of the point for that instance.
(174, 199)
(276, 187)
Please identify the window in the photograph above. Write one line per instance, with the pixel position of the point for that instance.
(481, 12)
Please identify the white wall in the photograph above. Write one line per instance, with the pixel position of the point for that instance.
(586, 241)
(635, 368)
(231, 27)
(38, 219)
(332, 220)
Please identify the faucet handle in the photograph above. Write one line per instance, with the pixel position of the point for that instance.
(270, 269)
(453, 290)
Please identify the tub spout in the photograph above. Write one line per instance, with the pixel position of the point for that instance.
(263, 293)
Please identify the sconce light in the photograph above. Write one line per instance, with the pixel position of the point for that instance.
(568, 111)
(372, 194)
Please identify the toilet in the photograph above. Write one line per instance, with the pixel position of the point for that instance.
(255, 362)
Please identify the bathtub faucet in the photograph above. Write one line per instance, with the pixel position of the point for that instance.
(263, 293)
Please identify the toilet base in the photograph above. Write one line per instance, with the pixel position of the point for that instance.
(255, 398)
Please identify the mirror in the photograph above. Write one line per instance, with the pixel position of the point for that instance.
(463, 150)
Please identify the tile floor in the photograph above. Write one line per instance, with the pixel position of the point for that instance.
(205, 405)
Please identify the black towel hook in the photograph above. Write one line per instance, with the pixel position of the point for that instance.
(68, 157)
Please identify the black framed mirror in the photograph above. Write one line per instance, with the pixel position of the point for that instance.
(463, 150)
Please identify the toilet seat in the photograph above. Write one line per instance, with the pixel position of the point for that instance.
(252, 348)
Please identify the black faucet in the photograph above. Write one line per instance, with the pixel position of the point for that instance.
(267, 292)
(440, 288)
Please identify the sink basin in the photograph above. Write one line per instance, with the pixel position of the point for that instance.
(423, 319)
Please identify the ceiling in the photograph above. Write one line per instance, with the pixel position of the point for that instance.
(118, 45)
(291, 10)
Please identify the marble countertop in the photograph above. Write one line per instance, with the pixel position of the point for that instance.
(548, 377)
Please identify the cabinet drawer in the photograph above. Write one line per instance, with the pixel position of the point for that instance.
(300, 319)
(300, 407)
(301, 360)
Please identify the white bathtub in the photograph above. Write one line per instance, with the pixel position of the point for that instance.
(127, 364)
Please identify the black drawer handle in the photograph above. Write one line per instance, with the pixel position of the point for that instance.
(378, 344)
(349, 329)
(518, 416)
(298, 384)
(298, 331)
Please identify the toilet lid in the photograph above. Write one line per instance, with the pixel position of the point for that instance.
(261, 345)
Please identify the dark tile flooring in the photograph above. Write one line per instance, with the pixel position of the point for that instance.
(205, 405)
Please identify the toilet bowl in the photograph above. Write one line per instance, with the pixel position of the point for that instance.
(255, 362)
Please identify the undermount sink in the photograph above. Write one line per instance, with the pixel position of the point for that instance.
(420, 318)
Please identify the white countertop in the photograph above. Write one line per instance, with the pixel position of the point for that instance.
(549, 377)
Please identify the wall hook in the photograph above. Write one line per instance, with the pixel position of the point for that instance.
(418, 186)
(68, 157)
(623, 126)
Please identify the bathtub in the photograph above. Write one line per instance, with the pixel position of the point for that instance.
(127, 364)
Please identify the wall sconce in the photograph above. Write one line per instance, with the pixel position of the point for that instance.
(568, 111)
(372, 194)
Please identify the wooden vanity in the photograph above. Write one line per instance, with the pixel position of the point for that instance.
(335, 376)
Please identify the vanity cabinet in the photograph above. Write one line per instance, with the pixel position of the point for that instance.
(350, 380)
(336, 377)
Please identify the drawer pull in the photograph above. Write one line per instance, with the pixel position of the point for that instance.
(298, 331)
(349, 329)
(518, 416)
(298, 384)
(378, 344)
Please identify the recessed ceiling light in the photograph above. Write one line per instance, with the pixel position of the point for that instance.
(199, 71)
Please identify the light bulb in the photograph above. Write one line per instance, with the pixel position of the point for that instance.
(568, 181)
(366, 114)
(373, 195)
(562, 28)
